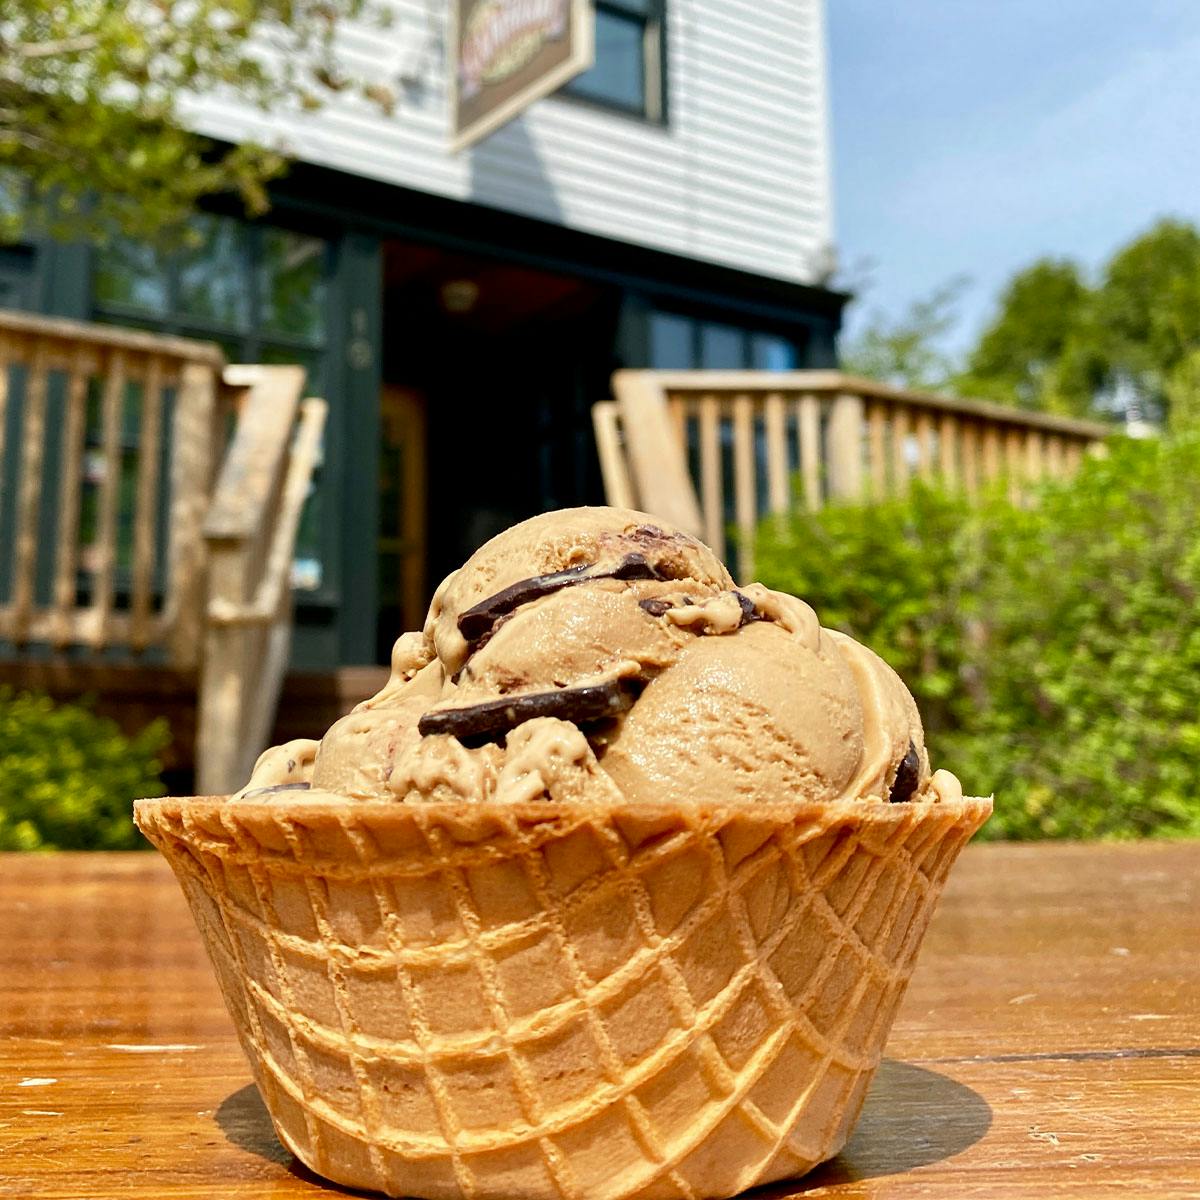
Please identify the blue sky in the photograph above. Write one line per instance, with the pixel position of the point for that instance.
(973, 136)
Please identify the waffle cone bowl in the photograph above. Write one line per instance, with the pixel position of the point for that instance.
(557, 1001)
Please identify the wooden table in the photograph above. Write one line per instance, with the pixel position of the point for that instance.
(1049, 1044)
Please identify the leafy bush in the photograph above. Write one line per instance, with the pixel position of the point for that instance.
(1053, 646)
(68, 778)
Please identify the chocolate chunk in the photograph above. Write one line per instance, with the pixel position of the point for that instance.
(749, 611)
(908, 775)
(656, 608)
(492, 719)
(277, 787)
(479, 621)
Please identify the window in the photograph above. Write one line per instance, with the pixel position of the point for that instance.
(680, 343)
(629, 72)
(260, 292)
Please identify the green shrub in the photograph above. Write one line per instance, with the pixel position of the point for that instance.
(1054, 647)
(68, 777)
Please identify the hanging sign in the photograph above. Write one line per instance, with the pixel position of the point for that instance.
(505, 54)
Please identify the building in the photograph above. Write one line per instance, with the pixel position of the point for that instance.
(670, 207)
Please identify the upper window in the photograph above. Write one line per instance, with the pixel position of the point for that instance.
(628, 73)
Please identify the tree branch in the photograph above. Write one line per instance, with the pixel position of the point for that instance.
(74, 45)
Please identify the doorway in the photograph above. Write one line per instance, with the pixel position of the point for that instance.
(491, 368)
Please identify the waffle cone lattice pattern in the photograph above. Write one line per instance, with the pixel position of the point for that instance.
(561, 1002)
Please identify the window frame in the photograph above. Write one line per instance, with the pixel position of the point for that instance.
(654, 65)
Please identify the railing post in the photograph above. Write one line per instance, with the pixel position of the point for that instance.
(845, 447)
(228, 667)
(191, 478)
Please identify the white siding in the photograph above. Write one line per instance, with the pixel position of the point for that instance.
(739, 176)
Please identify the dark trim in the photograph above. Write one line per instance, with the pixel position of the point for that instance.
(390, 211)
(354, 451)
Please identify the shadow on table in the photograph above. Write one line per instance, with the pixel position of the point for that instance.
(912, 1117)
(244, 1121)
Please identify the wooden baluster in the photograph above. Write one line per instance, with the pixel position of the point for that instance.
(69, 484)
(110, 493)
(845, 447)
(1074, 455)
(877, 449)
(1054, 457)
(1013, 462)
(33, 444)
(744, 490)
(712, 498)
(677, 409)
(948, 449)
(1034, 461)
(900, 466)
(775, 424)
(925, 444)
(808, 430)
(969, 441)
(146, 505)
(991, 452)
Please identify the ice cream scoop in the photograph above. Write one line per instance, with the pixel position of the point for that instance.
(683, 686)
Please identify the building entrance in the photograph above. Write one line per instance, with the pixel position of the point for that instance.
(490, 369)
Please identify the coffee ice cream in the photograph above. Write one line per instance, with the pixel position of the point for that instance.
(611, 893)
(683, 687)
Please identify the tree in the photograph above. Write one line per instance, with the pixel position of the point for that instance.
(1037, 352)
(1148, 309)
(91, 132)
(905, 352)
(1121, 346)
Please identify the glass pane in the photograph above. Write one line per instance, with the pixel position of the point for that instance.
(771, 353)
(722, 347)
(619, 74)
(292, 284)
(131, 274)
(214, 275)
(12, 192)
(670, 342)
(308, 571)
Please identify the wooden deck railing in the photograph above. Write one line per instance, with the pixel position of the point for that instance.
(715, 451)
(112, 540)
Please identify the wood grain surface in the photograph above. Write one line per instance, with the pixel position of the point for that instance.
(1049, 1044)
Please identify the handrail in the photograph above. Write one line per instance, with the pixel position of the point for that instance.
(251, 468)
(272, 587)
(715, 451)
(114, 336)
(834, 382)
